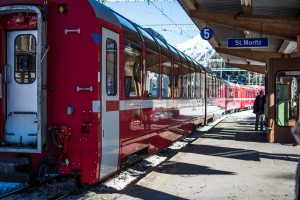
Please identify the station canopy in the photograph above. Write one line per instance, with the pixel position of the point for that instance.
(276, 20)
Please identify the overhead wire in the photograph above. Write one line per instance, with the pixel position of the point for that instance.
(169, 19)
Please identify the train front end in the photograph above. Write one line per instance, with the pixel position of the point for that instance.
(22, 96)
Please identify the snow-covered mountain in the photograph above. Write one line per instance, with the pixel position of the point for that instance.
(198, 49)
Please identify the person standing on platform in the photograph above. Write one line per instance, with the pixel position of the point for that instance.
(258, 108)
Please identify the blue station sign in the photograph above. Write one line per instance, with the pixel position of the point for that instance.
(247, 42)
(206, 33)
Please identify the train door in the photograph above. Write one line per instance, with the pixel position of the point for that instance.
(110, 102)
(283, 98)
(21, 104)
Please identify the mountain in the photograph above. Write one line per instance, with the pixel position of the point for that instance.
(198, 49)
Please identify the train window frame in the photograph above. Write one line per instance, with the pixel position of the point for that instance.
(177, 82)
(166, 70)
(111, 67)
(285, 94)
(176, 75)
(198, 85)
(22, 75)
(186, 82)
(133, 75)
(203, 85)
(166, 74)
(152, 77)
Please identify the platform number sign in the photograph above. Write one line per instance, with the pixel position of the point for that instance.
(206, 33)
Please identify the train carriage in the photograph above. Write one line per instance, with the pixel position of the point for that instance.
(82, 88)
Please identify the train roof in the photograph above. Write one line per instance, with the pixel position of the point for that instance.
(104, 12)
(118, 20)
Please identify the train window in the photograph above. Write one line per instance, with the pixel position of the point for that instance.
(177, 79)
(193, 85)
(202, 85)
(133, 70)
(152, 73)
(198, 85)
(236, 93)
(166, 76)
(186, 82)
(220, 89)
(25, 59)
(111, 65)
(213, 86)
(217, 88)
(209, 86)
(287, 98)
(230, 92)
(176, 73)
(132, 59)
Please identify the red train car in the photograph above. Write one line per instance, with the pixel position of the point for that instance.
(82, 88)
(239, 97)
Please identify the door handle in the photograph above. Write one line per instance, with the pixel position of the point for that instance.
(7, 73)
(0, 85)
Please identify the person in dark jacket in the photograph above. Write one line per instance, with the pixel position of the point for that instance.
(258, 108)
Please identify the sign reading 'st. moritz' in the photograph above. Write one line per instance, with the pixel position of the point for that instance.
(247, 42)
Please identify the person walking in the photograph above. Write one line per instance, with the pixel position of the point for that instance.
(258, 109)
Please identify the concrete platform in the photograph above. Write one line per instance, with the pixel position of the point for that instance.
(230, 161)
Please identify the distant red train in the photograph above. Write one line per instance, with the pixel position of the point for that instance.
(82, 88)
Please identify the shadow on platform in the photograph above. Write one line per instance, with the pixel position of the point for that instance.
(237, 153)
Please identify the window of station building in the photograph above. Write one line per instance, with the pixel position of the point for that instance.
(25, 59)
(287, 97)
(111, 67)
(133, 70)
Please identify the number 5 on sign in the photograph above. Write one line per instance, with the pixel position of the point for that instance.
(206, 33)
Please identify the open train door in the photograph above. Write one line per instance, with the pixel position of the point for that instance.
(24, 73)
(283, 92)
(21, 89)
(110, 102)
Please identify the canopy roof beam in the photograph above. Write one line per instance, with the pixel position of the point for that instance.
(261, 56)
(286, 28)
(253, 68)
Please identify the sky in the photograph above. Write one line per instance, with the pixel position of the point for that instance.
(155, 13)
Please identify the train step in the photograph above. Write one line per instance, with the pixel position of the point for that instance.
(13, 169)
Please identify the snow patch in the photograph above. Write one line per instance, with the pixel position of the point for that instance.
(198, 49)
